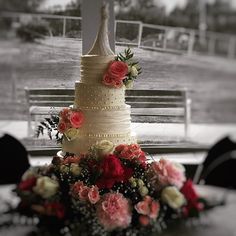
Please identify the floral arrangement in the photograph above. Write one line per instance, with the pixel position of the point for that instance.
(122, 71)
(67, 123)
(111, 190)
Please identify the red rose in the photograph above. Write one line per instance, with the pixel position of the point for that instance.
(117, 69)
(55, 209)
(112, 171)
(27, 184)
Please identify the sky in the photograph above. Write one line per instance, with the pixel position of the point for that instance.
(169, 4)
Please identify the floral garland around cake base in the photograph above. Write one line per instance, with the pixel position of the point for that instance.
(111, 190)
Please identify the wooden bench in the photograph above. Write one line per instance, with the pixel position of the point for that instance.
(146, 105)
(45, 101)
(160, 106)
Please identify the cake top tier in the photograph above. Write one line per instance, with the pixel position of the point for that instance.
(101, 45)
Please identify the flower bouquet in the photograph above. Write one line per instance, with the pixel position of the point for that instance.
(111, 190)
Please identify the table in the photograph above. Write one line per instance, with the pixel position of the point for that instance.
(220, 221)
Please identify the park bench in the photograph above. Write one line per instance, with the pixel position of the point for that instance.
(146, 105)
(160, 106)
(42, 102)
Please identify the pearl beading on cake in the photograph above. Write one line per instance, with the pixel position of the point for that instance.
(107, 135)
(98, 96)
(83, 143)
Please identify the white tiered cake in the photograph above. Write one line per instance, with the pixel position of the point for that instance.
(106, 115)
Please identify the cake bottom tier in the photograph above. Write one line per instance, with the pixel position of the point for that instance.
(82, 144)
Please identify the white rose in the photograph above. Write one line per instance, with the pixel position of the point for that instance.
(133, 71)
(104, 147)
(173, 197)
(46, 187)
(28, 174)
(75, 169)
(71, 133)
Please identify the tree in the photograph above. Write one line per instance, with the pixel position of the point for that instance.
(22, 6)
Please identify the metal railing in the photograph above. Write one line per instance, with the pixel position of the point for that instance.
(146, 36)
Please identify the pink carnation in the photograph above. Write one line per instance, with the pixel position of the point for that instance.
(114, 211)
(165, 173)
(76, 119)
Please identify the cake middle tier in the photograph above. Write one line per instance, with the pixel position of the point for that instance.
(98, 96)
(106, 121)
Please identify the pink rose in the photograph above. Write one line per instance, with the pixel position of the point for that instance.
(117, 69)
(154, 209)
(107, 80)
(117, 83)
(165, 173)
(112, 81)
(142, 208)
(144, 220)
(148, 207)
(93, 195)
(76, 189)
(130, 152)
(114, 211)
(121, 147)
(83, 193)
(76, 118)
(62, 126)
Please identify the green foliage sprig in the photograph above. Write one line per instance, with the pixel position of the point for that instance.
(49, 124)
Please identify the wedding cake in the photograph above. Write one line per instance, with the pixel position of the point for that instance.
(104, 183)
(106, 115)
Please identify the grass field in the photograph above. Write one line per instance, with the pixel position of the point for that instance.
(55, 63)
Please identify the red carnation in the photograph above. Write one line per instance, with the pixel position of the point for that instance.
(189, 191)
(192, 198)
(28, 184)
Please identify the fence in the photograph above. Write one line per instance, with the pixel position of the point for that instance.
(147, 36)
